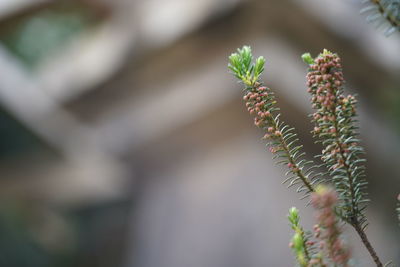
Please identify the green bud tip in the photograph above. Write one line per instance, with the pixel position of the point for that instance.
(245, 50)
(293, 217)
(307, 58)
(260, 60)
(293, 211)
(326, 52)
(297, 242)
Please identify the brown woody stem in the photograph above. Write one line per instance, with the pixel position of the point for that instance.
(367, 244)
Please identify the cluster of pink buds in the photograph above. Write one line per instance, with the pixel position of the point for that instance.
(327, 230)
(257, 100)
(325, 82)
(324, 79)
(348, 105)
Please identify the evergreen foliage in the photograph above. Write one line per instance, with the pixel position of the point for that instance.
(283, 141)
(336, 129)
(302, 244)
(383, 12)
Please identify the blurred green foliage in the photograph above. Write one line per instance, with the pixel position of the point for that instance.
(16, 139)
(38, 34)
(19, 247)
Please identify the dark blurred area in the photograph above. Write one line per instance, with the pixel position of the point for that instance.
(124, 141)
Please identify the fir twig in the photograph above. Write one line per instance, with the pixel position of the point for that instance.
(381, 11)
(300, 244)
(335, 127)
(283, 141)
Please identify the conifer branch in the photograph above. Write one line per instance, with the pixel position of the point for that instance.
(381, 11)
(334, 120)
(300, 244)
(335, 128)
(283, 141)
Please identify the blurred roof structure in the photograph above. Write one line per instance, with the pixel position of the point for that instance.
(90, 59)
(144, 97)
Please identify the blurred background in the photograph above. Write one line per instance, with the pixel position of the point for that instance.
(124, 141)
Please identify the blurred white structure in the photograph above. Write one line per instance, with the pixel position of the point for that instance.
(175, 105)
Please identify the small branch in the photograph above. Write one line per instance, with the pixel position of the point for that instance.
(260, 102)
(299, 172)
(381, 9)
(367, 244)
(299, 243)
(334, 125)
